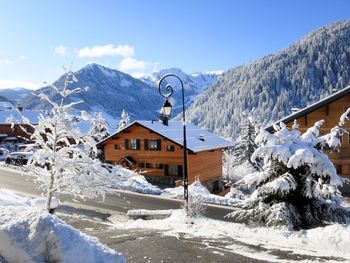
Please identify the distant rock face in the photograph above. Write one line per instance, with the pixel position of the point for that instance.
(270, 87)
(108, 91)
(194, 84)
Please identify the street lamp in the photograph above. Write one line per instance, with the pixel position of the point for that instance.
(164, 115)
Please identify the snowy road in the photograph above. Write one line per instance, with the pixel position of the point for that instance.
(14, 180)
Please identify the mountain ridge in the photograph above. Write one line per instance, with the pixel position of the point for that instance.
(269, 87)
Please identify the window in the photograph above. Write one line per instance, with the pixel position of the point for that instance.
(142, 165)
(170, 148)
(116, 147)
(153, 145)
(176, 170)
(338, 168)
(159, 166)
(134, 144)
(149, 165)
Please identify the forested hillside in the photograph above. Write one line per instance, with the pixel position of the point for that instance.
(269, 87)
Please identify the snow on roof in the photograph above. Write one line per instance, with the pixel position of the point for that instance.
(198, 140)
(31, 115)
(312, 107)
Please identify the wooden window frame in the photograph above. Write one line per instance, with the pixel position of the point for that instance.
(135, 144)
(170, 148)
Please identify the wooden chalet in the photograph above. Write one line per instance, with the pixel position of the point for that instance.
(328, 109)
(11, 125)
(157, 150)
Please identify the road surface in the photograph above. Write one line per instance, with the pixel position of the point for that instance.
(23, 183)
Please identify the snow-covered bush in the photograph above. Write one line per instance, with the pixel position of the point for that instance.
(195, 206)
(237, 172)
(298, 186)
(62, 164)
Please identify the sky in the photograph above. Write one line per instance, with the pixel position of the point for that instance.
(39, 37)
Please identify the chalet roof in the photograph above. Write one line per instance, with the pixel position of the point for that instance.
(313, 107)
(198, 140)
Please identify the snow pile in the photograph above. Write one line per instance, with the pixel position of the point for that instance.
(329, 241)
(28, 234)
(41, 202)
(131, 181)
(197, 189)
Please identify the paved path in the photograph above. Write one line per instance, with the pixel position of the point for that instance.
(22, 183)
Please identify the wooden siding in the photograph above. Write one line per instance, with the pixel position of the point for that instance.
(207, 165)
(15, 131)
(330, 114)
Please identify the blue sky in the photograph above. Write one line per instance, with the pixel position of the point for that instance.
(38, 37)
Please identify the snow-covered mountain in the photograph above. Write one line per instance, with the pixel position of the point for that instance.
(109, 91)
(271, 86)
(194, 84)
(15, 94)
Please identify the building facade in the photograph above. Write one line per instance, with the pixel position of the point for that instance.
(328, 109)
(156, 151)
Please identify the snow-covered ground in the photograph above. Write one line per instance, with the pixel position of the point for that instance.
(29, 234)
(197, 189)
(329, 242)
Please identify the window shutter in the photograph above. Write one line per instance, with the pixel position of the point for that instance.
(146, 144)
(137, 144)
(166, 169)
(126, 144)
(179, 170)
(159, 145)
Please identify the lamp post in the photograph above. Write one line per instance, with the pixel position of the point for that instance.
(164, 115)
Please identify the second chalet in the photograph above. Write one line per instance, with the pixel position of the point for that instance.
(157, 150)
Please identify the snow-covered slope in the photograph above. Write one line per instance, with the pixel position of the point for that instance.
(269, 87)
(109, 91)
(194, 84)
(15, 94)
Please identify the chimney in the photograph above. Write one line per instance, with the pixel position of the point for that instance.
(20, 108)
(201, 137)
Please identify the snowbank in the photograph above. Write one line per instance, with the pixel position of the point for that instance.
(132, 181)
(195, 189)
(29, 234)
(329, 241)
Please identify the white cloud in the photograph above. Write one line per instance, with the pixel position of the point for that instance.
(131, 63)
(106, 50)
(138, 75)
(12, 61)
(61, 50)
(8, 84)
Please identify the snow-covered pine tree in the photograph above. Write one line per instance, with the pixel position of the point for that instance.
(98, 131)
(124, 120)
(246, 145)
(62, 165)
(237, 160)
(298, 187)
(99, 127)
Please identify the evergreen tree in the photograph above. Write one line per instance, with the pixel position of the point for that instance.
(246, 146)
(299, 184)
(124, 120)
(99, 127)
